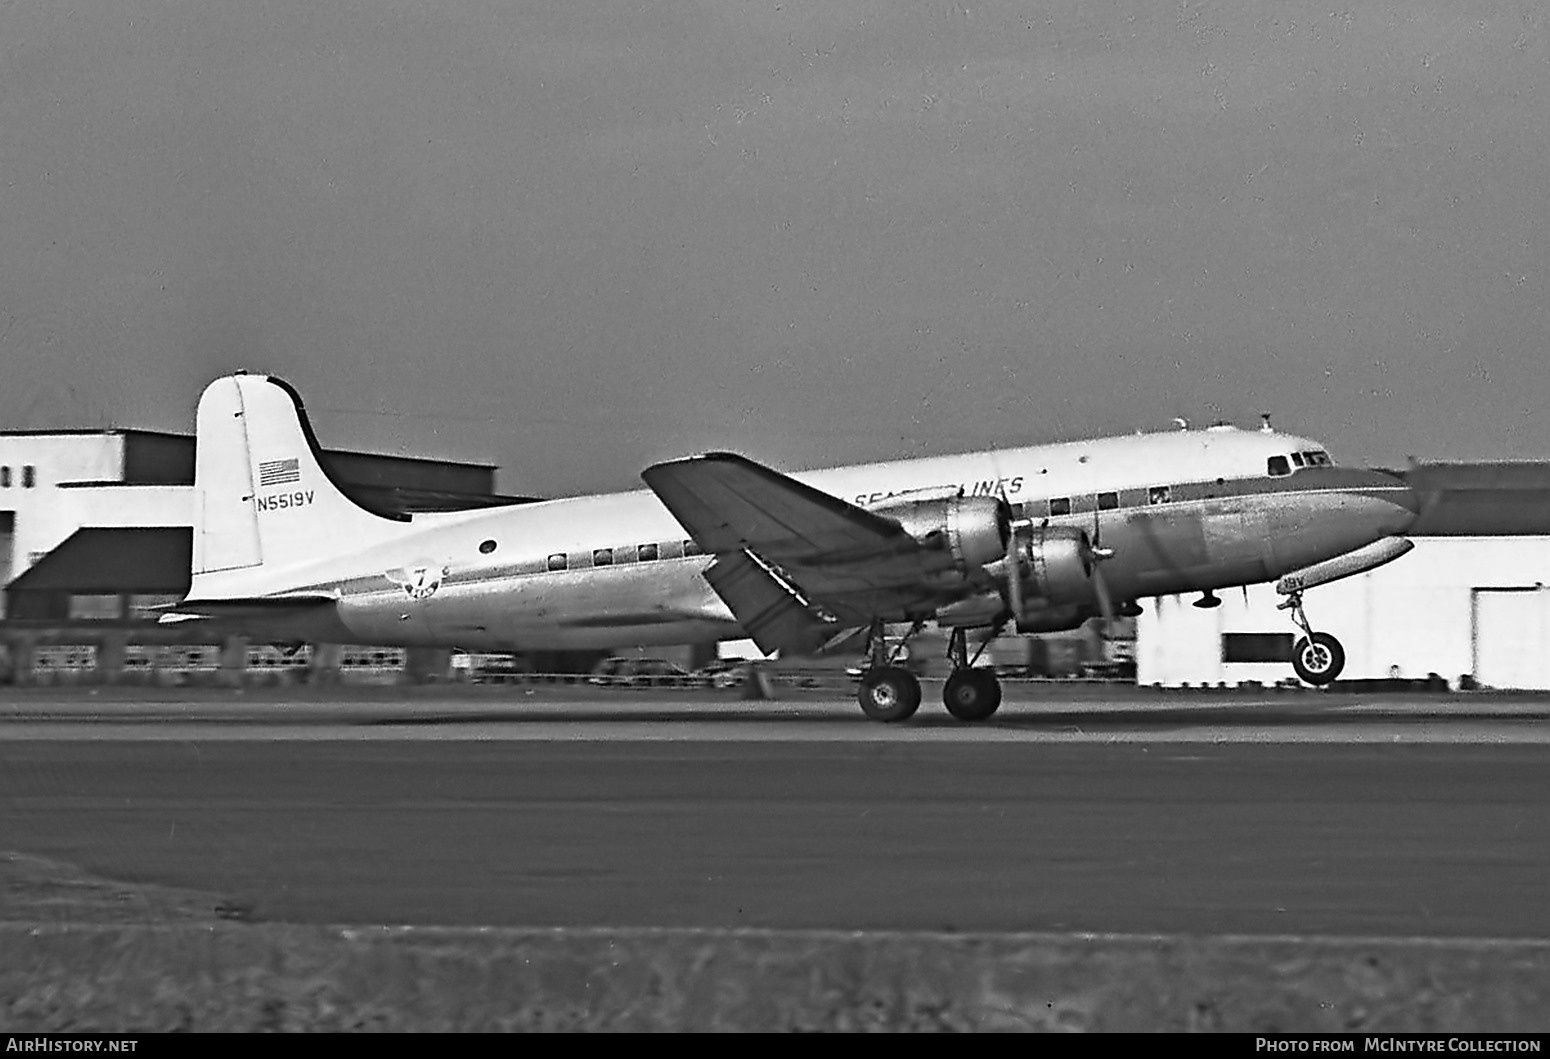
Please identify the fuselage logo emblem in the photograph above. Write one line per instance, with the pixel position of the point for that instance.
(418, 582)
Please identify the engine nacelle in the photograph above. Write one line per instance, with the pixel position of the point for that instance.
(974, 529)
(1058, 560)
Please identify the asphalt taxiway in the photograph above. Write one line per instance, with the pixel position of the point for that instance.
(1170, 814)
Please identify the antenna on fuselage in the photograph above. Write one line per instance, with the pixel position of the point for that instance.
(1265, 427)
(1181, 422)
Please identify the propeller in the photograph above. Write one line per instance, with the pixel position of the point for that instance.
(1100, 585)
(1105, 601)
(1014, 573)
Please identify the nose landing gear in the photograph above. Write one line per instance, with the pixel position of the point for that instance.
(1317, 657)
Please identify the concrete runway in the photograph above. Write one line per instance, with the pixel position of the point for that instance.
(1173, 814)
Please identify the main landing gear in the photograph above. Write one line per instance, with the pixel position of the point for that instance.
(970, 694)
(1317, 657)
(889, 692)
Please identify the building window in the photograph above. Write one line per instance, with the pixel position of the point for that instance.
(1159, 494)
(29, 476)
(1256, 647)
(647, 553)
(1060, 505)
(603, 557)
(557, 561)
(1108, 501)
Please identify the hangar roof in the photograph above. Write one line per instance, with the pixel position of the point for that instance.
(107, 561)
(1481, 499)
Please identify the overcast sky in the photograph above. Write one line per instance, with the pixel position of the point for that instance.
(574, 238)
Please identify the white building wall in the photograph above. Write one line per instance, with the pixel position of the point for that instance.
(56, 459)
(55, 505)
(1412, 617)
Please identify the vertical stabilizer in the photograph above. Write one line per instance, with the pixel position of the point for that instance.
(262, 497)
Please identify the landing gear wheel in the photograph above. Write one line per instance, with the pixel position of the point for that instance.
(972, 694)
(889, 693)
(1318, 659)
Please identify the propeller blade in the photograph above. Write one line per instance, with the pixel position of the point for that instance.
(1096, 548)
(1014, 576)
(1105, 601)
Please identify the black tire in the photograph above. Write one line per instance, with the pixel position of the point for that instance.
(1318, 661)
(972, 694)
(889, 693)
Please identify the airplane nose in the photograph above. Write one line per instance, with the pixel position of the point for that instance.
(1347, 510)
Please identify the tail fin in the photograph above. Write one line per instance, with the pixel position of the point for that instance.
(263, 500)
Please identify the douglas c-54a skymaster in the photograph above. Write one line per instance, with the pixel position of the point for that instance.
(1037, 539)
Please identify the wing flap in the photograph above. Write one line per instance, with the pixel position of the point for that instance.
(768, 609)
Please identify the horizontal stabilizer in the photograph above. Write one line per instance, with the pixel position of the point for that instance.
(249, 607)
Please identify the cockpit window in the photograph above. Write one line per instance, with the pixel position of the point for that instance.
(1318, 458)
(1296, 459)
(1279, 467)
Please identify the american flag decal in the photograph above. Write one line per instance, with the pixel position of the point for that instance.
(278, 472)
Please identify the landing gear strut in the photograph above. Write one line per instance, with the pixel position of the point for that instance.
(888, 691)
(970, 694)
(1317, 657)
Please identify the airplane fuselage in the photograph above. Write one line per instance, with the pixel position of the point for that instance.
(1184, 511)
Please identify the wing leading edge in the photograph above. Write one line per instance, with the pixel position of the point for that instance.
(795, 564)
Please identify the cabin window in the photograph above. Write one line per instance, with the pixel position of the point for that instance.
(29, 476)
(1159, 494)
(647, 553)
(557, 561)
(1108, 501)
(603, 557)
(691, 548)
(1279, 467)
(486, 547)
(5, 477)
(1060, 505)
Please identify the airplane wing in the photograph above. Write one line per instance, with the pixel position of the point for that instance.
(795, 564)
